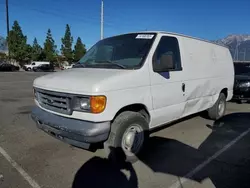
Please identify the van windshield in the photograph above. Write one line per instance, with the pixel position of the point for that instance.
(120, 52)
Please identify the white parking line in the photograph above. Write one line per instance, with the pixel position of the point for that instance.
(24, 174)
(189, 175)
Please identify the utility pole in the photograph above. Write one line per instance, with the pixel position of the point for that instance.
(102, 19)
(7, 24)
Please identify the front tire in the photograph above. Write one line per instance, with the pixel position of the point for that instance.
(129, 131)
(219, 108)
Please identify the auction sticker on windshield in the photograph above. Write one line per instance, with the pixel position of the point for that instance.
(144, 36)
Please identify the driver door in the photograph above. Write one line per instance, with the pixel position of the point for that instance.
(167, 85)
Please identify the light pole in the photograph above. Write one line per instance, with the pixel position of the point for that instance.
(7, 24)
(102, 19)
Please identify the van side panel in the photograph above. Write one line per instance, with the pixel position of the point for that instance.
(209, 69)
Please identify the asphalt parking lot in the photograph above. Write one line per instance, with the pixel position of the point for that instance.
(194, 152)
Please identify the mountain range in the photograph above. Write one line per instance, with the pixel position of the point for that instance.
(239, 46)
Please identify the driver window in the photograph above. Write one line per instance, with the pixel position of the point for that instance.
(167, 47)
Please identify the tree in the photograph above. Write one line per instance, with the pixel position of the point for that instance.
(79, 50)
(50, 47)
(29, 52)
(17, 43)
(3, 56)
(36, 51)
(66, 48)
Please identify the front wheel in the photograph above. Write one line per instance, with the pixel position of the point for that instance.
(219, 108)
(129, 132)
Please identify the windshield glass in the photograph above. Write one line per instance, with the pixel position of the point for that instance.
(242, 68)
(120, 52)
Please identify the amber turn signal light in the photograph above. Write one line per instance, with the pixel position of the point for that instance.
(97, 104)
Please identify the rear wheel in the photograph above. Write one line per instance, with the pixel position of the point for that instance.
(129, 132)
(219, 108)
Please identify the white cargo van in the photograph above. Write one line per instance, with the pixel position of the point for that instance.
(127, 85)
(35, 64)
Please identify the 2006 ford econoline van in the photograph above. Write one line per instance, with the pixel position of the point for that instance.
(127, 85)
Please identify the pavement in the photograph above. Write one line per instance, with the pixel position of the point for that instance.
(193, 152)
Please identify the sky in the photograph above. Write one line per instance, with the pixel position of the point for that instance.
(207, 19)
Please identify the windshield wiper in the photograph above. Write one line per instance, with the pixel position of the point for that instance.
(113, 63)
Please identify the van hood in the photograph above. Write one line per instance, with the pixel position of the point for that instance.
(91, 80)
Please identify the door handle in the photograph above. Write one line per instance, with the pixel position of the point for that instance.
(183, 87)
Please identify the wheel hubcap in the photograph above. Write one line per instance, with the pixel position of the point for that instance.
(221, 108)
(133, 139)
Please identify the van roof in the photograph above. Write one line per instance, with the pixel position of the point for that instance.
(182, 35)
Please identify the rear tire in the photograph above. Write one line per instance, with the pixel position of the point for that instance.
(219, 108)
(129, 132)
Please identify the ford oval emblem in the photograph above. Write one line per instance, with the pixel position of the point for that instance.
(50, 101)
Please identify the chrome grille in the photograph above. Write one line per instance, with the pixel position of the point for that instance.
(55, 101)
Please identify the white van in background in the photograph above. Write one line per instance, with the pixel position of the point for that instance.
(35, 64)
(129, 84)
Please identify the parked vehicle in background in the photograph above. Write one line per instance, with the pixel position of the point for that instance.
(129, 84)
(34, 64)
(68, 66)
(44, 68)
(7, 67)
(76, 65)
(242, 82)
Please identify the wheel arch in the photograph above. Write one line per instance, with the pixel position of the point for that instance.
(137, 107)
(225, 92)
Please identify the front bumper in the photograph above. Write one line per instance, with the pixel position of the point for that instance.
(72, 131)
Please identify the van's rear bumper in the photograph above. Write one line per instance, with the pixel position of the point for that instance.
(72, 131)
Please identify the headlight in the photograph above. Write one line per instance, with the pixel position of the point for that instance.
(84, 103)
(93, 104)
(81, 104)
(246, 84)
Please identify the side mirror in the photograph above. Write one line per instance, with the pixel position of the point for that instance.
(165, 63)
